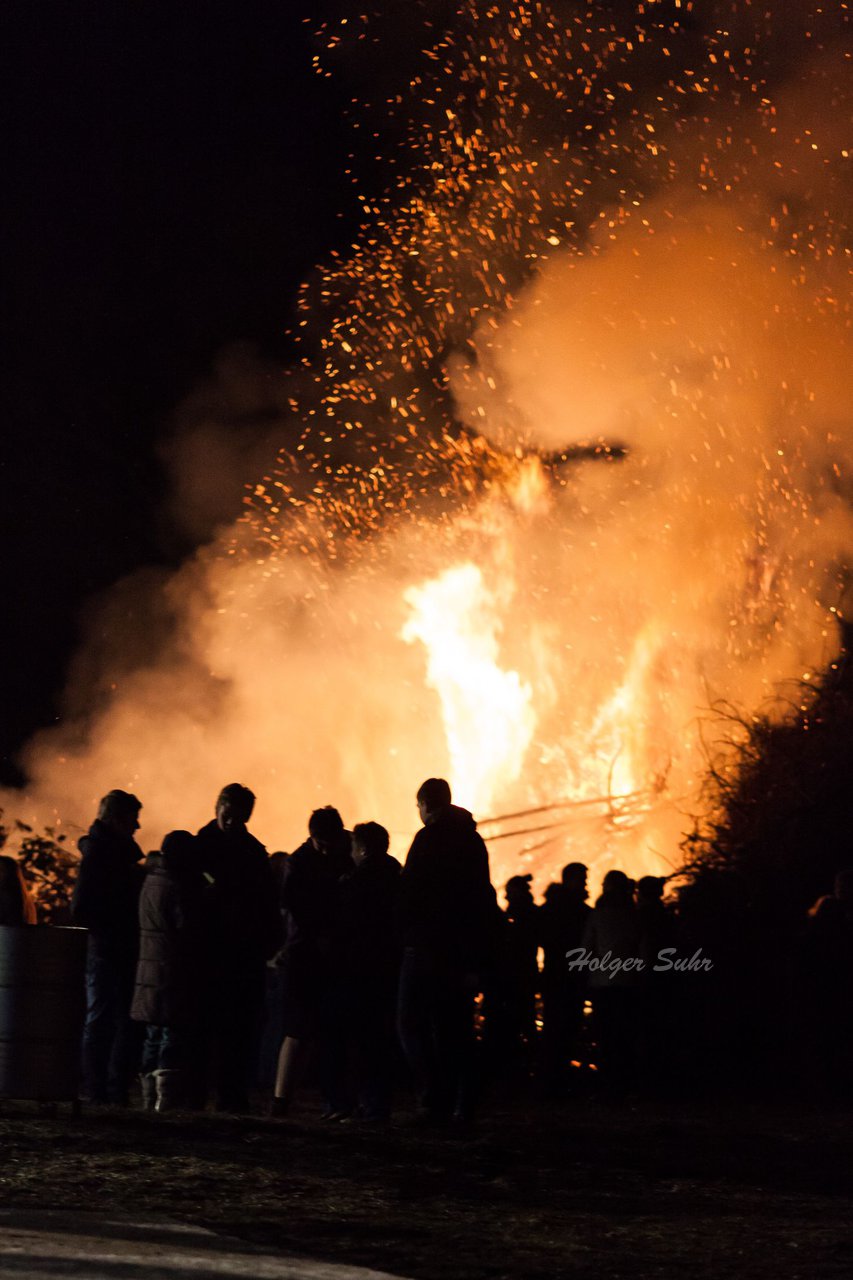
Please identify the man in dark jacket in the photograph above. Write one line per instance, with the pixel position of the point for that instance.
(370, 967)
(105, 901)
(564, 917)
(612, 934)
(520, 969)
(242, 927)
(312, 1006)
(448, 915)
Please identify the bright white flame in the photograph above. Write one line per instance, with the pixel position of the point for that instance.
(488, 714)
(629, 739)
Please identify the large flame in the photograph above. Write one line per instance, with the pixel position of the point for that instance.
(488, 715)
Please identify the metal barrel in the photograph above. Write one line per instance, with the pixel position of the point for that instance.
(42, 1007)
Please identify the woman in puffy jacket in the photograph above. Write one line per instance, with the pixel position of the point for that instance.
(168, 973)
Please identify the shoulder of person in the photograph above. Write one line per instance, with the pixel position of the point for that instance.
(258, 849)
(422, 839)
(460, 817)
(303, 853)
(90, 850)
(380, 869)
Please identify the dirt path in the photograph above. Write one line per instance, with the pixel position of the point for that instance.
(41, 1244)
(582, 1193)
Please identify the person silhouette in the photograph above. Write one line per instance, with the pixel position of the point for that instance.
(243, 930)
(105, 901)
(448, 916)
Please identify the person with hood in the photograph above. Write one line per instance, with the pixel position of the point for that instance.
(168, 974)
(106, 902)
(448, 923)
(312, 1013)
(242, 926)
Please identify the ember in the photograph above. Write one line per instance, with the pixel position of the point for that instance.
(567, 466)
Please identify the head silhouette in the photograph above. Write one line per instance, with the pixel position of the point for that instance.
(119, 810)
(433, 798)
(650, 888)
(574, 877)
(234, 806)
(369, 840)
(325, 827)
(517, 891)
(616, 882)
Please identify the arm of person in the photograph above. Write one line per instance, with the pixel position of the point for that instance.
(89, 899)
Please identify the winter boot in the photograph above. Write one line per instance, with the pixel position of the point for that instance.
(149, 1090)
(170, 1089)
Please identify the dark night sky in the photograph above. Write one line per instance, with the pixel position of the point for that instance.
(175, 171)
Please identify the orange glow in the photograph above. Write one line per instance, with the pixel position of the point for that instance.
(488, 718)
(621, 237)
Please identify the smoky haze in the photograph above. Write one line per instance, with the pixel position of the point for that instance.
(571, 628)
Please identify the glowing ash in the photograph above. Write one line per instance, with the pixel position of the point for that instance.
(627, 225)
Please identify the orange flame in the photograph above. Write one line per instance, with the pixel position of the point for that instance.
(488, 714)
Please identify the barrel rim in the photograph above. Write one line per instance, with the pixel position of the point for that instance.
(54, 928)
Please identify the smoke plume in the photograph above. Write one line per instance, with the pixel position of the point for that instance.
(448, 584)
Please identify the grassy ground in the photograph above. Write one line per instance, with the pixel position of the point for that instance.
(576, 1191)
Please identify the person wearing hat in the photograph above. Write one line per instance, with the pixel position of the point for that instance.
(105, 901)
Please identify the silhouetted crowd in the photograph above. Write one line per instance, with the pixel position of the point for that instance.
(348, 956)
(213, 969)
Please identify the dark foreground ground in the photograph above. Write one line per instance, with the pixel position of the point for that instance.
(576, 1191)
